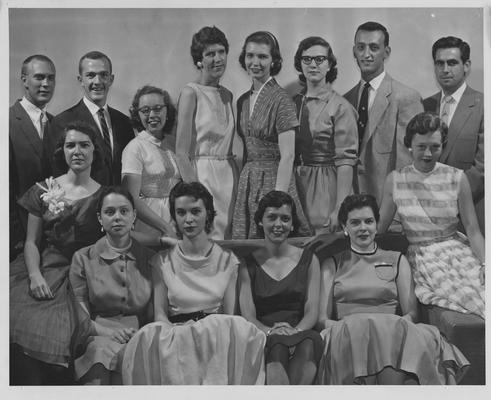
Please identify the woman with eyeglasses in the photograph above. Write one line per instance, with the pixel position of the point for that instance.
(326, 142)
(267, 122)
(206, 126)
(149, 168)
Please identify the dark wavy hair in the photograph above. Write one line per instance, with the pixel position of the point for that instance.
(264, 37)
(450, 42)
(106, 191)
(205, 37)
(59, 162)
(355, 202)
(306, 44)
(197, 191)
(276, 199)
(135, 117)
(371, 26)
(422, 124)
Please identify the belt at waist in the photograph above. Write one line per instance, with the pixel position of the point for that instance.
(457, 236)
(216, 157)
(194, 316)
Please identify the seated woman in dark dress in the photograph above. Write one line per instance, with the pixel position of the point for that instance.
(111, 281)
(62, 219)
(368, 311)
(280, 294)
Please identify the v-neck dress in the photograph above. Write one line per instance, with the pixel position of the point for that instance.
(326, 139)
(273, 114)
(283, 301)
(145, 155)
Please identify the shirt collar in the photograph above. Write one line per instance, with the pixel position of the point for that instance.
(262, 87)
(324, 95)
(375, 82)
(457, 95)
(31, 109)
(93, 108)
(149, 137)
(107, 253)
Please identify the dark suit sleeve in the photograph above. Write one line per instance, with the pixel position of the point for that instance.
(475, 174)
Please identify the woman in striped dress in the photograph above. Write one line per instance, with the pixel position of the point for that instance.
(429, 197)
(266, 121)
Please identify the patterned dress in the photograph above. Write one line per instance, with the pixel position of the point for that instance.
(44, 328)
(145, 155)
(213, 159)
(273, 113)
(446, 272)
(368, 334)
(326, 139)
(219, 349)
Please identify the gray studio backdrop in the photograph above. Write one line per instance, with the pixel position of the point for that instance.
(152, 45)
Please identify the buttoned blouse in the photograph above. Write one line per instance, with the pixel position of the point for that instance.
(112, 283)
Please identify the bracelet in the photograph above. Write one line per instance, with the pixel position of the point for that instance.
(269, 331)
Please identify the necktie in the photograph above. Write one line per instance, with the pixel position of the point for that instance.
(105, 131)
(363, 111)
(445, 114)
(42, 124)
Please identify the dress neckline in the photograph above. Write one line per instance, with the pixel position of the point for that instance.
(286, 276)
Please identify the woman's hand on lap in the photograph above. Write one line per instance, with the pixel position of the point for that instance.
(39, 288)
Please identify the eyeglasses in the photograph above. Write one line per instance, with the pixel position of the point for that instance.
(156, 109)
(307, 60)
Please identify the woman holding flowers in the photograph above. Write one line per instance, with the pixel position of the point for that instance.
(62, 219)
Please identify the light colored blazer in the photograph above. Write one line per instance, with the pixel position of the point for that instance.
(465, 141)
(382, 149)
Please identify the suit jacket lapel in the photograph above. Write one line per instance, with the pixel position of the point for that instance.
(379, 105)
(461, 115)
(28, 129)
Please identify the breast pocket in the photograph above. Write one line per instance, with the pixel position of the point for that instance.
(385, 272)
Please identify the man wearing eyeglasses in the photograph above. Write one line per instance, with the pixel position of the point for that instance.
(96, 78)
(385, 106)
(462, 109)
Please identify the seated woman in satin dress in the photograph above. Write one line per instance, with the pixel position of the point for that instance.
(280, 294)
(62, 219)
(112, 284)
(368, 311)
(431, 199)
(195, 339)
(149, 168)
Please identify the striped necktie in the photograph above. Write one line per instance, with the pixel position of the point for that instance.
(105, 131)
(42, 124)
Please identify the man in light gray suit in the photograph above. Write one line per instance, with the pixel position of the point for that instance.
(462, 108)
(385, 107)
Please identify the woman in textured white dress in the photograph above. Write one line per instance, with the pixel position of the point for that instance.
(205, 127)
(195, 339)
(149, 168)
(430, 198)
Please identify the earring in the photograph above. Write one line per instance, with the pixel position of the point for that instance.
(102, 229)
(345, 234)
(272, 64)
(291, 228)
(199, 64)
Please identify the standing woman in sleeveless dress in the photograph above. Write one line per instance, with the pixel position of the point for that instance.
(280, 294)
(206, 125)
(266, 121)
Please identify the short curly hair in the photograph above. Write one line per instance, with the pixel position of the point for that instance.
(59, 161)
(264, 37)
(107, 190)
(276, 199)
(423, 123)
(148, 89)
(355, 202)
(205, 37)
(197, 191)
(306, 44)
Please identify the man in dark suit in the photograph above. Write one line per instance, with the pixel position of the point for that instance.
(385, 107)
(29, 139)
(462, 109)
(96, 78)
